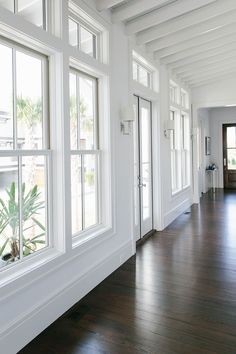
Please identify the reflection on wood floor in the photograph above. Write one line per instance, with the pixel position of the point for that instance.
(177, 296)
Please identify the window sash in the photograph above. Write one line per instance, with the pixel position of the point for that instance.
(137, 76)
(88, 152)
(95, 35)
(20, 154)
(15, 47)
(45, 8)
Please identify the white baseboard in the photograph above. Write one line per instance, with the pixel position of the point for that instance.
(33, 322)
(177, 211)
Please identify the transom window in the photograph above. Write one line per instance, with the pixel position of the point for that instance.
(33, 11)
(85, 153)
(24, 154)
(83, 37)
(141, 74)
(173, 93)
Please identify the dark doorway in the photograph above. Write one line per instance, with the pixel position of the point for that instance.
(229, 155)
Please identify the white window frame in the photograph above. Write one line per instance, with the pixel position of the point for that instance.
(45, 151)
(185, 151)
(97, 152)
(181, 167)
(149, 74)
(88, 27)
(45, 10)
(175, 152)
(174, 93)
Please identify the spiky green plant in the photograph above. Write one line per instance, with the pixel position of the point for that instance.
(9, 217)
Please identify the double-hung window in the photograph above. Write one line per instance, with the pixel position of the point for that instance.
(33, 11)
(185, 149)
(24, 153)
(174, 152)
(85, 154)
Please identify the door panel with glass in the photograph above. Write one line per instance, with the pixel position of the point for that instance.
(229, 155)
(142, 167)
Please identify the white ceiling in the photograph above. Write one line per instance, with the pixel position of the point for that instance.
(195, 38)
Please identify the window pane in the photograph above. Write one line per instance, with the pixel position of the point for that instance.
(73, 113)
(9, 211)
(34, 184)
(87, 113)
(6, 98)
(90, 190)
(143, 76)
(231, 137)
(31, 11)
(29, 102)
(231, 157)
(146, 190)
(73, 33)
(76, 194)
(7, 4)
(87, 41)
(135, 71)
(186, 132)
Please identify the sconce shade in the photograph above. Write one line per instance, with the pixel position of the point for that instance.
(127, 114)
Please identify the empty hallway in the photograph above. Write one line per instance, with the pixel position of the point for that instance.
(176, 296)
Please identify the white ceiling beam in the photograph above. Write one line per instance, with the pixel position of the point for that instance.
(191, 43)
(209, 54)
(107, 4)
(205, 63)
(197, 50)
(129, 9)
(164, 14)
(192, 32)
(204, 82)
(207, 71)
(182, 22)
(211, 73)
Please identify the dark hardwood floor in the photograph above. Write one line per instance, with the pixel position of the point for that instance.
(177, 296)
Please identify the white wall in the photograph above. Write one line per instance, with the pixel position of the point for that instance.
(204, 181)
(218, 117)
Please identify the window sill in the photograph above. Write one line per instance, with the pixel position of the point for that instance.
(91, 238)
(13, 272)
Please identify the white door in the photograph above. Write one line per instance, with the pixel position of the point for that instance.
(142, 167)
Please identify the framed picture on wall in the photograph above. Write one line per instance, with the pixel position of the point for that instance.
(207, 145)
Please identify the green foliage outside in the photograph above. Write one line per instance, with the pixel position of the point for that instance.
(9, 216)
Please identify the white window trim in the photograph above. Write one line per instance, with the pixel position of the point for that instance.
(177, 107)
(106, 227)
(78, 15)
(143, 63)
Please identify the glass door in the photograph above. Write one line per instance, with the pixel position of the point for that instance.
(142, 167)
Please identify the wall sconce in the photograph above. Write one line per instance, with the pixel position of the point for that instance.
(169, 126)
(126, 119)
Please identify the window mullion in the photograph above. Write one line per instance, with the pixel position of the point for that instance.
(20, 197)
(82, 192)
(45, 14)
(15, 6)
(78, 109)
(14, 98)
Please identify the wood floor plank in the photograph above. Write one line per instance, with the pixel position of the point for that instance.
(176, 296)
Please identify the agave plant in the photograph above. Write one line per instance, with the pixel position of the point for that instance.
(9, 217)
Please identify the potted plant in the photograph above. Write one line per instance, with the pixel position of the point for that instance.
(9, 219)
